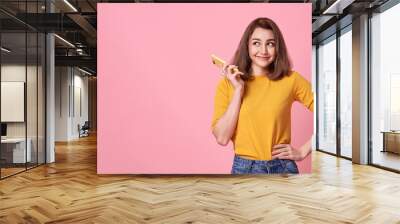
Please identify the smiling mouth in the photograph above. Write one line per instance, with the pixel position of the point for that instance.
(265, 58)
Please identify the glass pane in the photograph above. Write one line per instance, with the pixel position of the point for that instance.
(41, 98)
(346, 94)
(327, 96)
(314, 75)
(13, 86)
(31, 101)
(31, 85)
(385, 89)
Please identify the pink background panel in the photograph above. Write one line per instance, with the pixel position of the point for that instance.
(156, 83)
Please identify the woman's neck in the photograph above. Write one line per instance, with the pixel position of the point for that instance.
(256, 71)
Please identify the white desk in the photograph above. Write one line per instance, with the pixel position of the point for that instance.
(18, 149)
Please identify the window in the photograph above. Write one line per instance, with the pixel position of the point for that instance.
(385, 89)
(327, 95)
(346, 75)
(22, 65)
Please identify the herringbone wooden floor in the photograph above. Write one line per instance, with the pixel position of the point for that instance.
(70, 191)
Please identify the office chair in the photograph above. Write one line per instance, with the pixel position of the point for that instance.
(84, 130)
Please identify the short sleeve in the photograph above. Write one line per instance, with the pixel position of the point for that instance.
(221, 101)
(303, 92)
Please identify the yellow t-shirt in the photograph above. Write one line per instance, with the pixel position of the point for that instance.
(265, 112)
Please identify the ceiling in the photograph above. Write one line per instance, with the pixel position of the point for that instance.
(76, 22)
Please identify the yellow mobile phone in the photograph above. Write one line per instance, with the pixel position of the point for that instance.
(219, 62)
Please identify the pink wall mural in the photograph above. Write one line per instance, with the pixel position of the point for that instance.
(156, 83)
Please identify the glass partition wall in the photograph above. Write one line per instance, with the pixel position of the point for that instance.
(327, 95)
(13, 109)
(345, 93)
(334, 110)
(22, 88)
(334, 95)
(385, 90)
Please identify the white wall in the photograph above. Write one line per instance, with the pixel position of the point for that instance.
(16, 73)
(71, 87)
(61, 103)
(33, 127)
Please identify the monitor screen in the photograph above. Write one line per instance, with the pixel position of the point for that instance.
(3, 129)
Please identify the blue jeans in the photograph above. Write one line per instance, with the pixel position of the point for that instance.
(276, 166)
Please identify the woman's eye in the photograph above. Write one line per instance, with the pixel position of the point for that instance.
(256, 43)
(271, 44)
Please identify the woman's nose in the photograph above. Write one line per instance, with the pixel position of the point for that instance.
(264, 49)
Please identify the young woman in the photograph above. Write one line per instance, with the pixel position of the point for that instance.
(253, 103)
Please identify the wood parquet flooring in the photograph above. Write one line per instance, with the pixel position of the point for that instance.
(10, 171)
(70, 191)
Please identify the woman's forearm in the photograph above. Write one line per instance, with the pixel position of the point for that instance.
(226, 125)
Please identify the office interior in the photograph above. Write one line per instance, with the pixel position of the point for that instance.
(354, 67)
(48, 80)
(49, 74)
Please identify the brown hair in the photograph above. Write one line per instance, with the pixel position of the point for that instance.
(281, 65)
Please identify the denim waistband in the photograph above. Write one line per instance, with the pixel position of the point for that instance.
(258, 162)
(247, 166)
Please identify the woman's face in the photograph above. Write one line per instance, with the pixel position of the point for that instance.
(262, 48)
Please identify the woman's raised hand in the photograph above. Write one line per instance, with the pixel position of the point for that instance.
(234, 76)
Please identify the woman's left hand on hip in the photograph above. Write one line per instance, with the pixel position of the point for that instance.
(285, 151)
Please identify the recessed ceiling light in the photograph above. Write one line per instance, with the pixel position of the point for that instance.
(84, 71)
(70, 5)
(337, 7)
(5, 50)
(64, 40)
